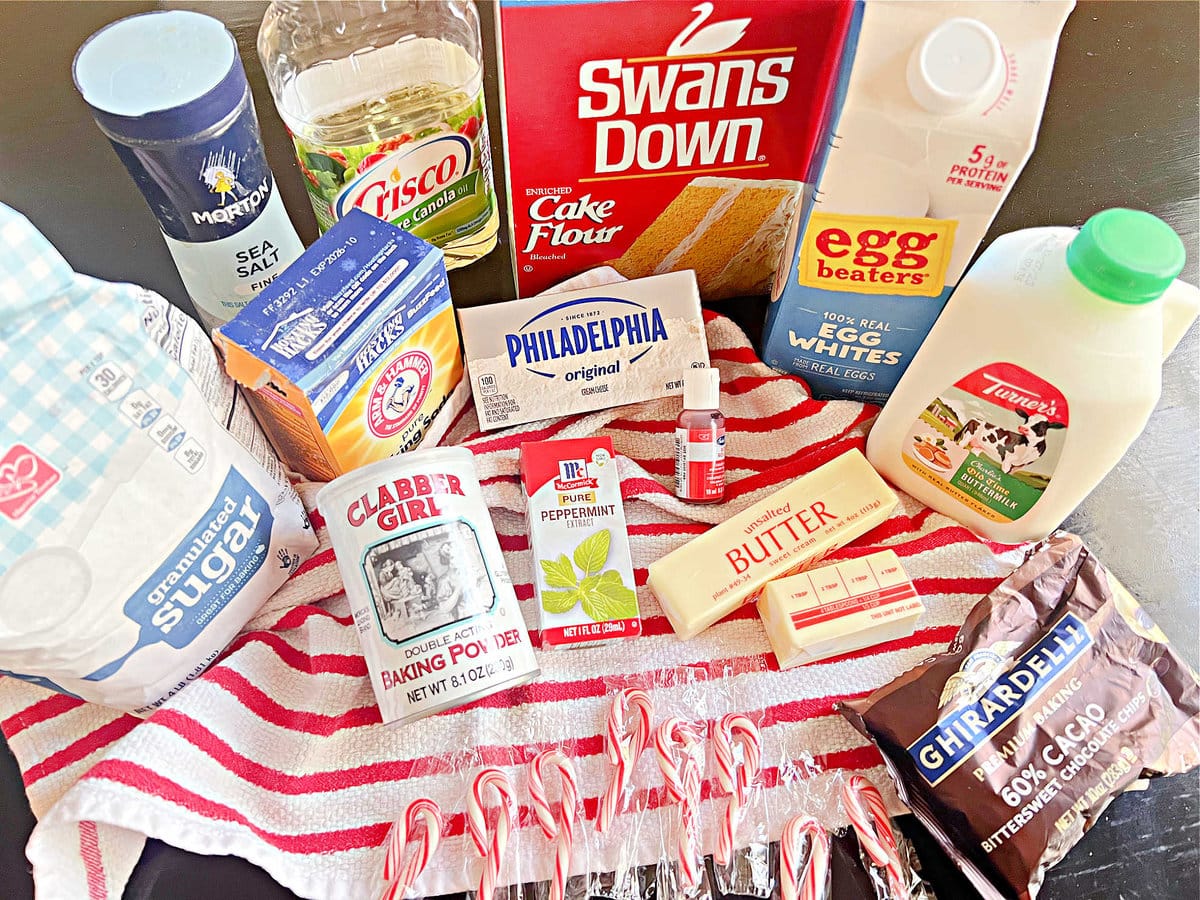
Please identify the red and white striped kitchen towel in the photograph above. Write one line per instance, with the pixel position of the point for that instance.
(276, 754)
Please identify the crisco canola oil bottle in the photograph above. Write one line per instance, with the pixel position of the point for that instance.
(1039, 374)
(384, 102)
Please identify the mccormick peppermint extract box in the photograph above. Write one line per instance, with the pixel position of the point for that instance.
(582, 567)
(665, 136)
(352, 351)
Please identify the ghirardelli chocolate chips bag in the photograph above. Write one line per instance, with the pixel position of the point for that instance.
(1057, 693)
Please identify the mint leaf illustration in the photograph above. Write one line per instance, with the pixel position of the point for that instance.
(608, 598)
(559, 601)
(592, 552)
(559, 572)
(604, 595)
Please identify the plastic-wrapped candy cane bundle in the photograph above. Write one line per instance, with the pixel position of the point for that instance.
(493, 821)
(560, 822)
(421, 824)
(680, 746)
(658, 767)
(887, 855)
(742, 858)
(818, 851)
(621, 810)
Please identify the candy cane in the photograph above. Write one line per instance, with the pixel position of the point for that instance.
(812, 885)
(561, 826)
(679, 747)
(400, 875)
(871, 821)
(491, 845)
(624, 742)
(735, 780)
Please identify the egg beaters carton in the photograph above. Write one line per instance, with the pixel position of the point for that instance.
(939, 107)
(352, 352)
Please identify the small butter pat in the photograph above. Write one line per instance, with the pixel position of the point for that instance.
(839, 609)
(794, 528)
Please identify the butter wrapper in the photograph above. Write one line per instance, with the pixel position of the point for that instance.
(839, 608)
(583, 350)
(792, 529)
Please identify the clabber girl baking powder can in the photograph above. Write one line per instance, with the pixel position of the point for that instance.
(432, 601)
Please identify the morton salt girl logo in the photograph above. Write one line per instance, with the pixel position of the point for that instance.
(397, 185)
(710, 92)
(24, 479)
(219, 174)
(398, 393)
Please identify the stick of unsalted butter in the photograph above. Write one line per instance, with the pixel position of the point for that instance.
(727, 566)
(839, 608)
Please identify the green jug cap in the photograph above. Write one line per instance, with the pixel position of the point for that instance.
(1126, 255)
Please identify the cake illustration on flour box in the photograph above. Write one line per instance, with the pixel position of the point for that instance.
(666, 136)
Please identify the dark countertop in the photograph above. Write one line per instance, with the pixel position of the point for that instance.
(1120, 129)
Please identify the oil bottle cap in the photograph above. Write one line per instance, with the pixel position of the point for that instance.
(958, 67)
(701, 389)
(1126, 255)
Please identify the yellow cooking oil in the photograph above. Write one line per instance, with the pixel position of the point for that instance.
(384, 102)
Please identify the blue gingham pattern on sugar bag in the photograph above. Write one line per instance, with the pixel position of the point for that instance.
(46, 402)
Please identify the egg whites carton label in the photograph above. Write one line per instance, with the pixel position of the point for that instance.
(583, 350)
(939, 110)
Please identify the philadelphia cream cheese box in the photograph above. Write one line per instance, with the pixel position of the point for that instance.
(351, 353)
(583, 350)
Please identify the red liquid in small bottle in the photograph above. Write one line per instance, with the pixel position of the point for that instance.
(700, 456)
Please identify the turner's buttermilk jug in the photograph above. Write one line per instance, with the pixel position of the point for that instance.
(1039, 374)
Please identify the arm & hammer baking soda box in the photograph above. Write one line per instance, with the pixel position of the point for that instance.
(666, 136)
(349, 355)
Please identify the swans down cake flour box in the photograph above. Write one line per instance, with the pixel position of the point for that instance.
(665, 137)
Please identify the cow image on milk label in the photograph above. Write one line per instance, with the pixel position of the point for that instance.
(433, 603)
(991, 441)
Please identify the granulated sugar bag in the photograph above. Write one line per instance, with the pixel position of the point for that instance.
(143, 515)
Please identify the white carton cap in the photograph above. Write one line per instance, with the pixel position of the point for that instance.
(701, 389)
(957, 68)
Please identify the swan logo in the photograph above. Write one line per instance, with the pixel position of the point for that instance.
(701, 72)
(699, 39)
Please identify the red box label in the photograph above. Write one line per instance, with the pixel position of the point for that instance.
(663, 137)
